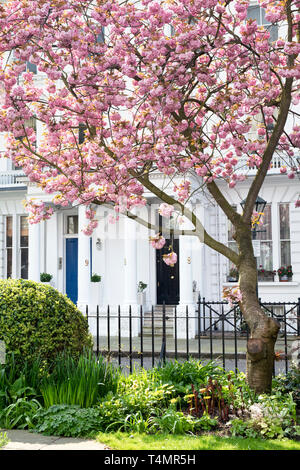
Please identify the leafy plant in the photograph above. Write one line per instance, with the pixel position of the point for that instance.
(38, 321)
(17, 382)
(272, 416)
(289, 383)
(206, 423)
(239, 427)
(134, 406)
(69, 421)
(141, 286)
(95, 277)
(285, 271)
(172, 421)
(182, 374)
(81, 381)
(19, 414)
(233, 272)
(135, 422)
(45, 277)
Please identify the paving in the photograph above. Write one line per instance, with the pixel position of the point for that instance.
(25, 440)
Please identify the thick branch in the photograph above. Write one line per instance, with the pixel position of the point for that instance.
(199, 230)
(220, 199)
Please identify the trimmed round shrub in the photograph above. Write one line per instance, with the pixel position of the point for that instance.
(37, 320)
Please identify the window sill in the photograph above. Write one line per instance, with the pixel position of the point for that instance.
(266, 283)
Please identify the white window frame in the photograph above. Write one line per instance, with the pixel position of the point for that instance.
(276, 246)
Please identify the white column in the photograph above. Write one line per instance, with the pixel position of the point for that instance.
(16, 247)
(83, 261)
(2, 246)
(185, 270)
(34, 253)
(202, 261)
(186, 303)
(130, 263)
(276, 235)
(130, 279)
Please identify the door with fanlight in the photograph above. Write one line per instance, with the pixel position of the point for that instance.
(167, 277)
(71, 262)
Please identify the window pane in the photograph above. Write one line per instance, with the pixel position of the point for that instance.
(273, 29)
(254, 13)
(23, 231)
(81, 135)
(72, 224)
(24, 263)
(230, 231)
(9, 230)
(231, 228)
(9, 262)
(285, 252)
(31, 67)
(100, 36)
(266, 256)
(263, 17)
(284, 215)
(264, 231)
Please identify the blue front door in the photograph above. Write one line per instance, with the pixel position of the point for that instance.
(72, 269)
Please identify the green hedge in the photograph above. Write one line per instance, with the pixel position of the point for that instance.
(37, 320)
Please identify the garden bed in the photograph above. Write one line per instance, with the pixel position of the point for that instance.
(85, 396)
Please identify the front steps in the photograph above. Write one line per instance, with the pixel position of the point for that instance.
(157, 329)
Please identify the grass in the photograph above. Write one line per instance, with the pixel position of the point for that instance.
(3, 439)
(124, 441)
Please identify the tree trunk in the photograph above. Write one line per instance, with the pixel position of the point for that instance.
(263, 329)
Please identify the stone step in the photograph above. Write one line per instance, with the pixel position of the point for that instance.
(158, 326)
(158, 322)
(158, 315)
(159, 308)
(157, 332)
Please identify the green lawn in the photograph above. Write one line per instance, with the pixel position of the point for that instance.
(123, 441)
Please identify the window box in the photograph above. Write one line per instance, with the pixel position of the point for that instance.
(285, 279)
(232, 279)
(265, 277)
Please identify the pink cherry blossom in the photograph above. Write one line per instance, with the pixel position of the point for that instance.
(158, 241)
(166, 210)
(37, 210)
(144, 101)
(170, 259)
(232, 295)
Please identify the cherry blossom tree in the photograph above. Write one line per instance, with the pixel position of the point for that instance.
(129, 89)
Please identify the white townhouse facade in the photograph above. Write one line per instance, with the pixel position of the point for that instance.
(121, 254)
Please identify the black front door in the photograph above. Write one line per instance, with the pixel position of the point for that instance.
(167, 276)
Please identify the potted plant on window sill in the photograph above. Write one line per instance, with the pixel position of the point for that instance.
(141, 293)
(233, 275)
(45, 278)
(265, 275)
(285, 273)
(95, 287)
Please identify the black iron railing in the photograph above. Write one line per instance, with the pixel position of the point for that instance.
(207, 331)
